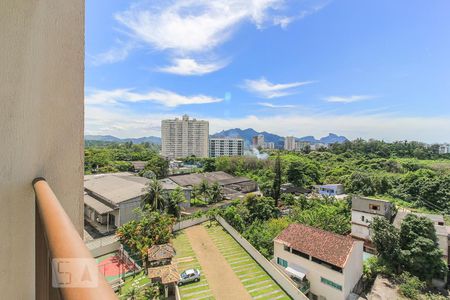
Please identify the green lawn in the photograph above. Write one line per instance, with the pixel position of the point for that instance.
(186, 259)
(139, 281)
(257, 282)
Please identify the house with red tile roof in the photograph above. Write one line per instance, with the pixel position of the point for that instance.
(324, 265)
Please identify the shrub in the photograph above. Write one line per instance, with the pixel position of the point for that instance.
(410, 286)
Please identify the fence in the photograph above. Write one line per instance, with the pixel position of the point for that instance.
(276, 274)
(104, 245)
(190, 222)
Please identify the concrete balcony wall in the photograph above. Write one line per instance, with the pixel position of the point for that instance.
(41, 125)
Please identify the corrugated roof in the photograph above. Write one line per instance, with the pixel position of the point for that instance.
(96, 205)
(116, 187)
(197, 178)
(324, 245)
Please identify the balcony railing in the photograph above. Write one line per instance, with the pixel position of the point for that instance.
(65, 268)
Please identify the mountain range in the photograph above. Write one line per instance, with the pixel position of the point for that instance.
(246, 134)
(110, 138)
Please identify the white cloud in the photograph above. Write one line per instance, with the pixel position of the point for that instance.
(348, 99)
(187, 27)
(115, 54)
(124, 123)
(189, 66)
(162, 97)
(265, 89)
(270, 105)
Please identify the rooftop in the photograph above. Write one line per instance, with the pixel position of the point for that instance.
(197, 178)
(167, 274)
(97, 205)
(436, 219)
(116, 187)
(324, 245)
(159, 252)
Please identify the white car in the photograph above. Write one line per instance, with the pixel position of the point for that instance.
(191, 275)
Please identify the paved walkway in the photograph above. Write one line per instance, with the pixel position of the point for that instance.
(223, 281)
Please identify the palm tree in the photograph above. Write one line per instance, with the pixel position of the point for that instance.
(203, 189)
(155, 195)
(215, 193)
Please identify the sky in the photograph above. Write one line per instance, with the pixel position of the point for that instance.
(362, 69)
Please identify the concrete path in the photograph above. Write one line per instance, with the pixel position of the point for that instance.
(222, 280)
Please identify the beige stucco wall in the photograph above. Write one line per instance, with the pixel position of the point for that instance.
(41, 125)
(315, 272)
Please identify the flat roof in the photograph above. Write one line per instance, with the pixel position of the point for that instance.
(324, 245)
(96, 205)
(116, 187)
(440, 229)
(197, 178)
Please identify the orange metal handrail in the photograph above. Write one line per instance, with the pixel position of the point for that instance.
(64, 242)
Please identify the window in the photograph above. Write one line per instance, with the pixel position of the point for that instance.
(299, 253)
(328, 265)
(286, 248)
(282, 262)
(331, 283)
(374, 207)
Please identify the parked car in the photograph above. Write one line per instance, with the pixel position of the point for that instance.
(191, 275)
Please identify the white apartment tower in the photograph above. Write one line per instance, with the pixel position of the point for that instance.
(226, 147)
(258, 141)
(185, 137)
(289, 143)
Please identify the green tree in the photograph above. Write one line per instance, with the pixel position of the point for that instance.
(174, 199)
(155, 195)
(420, 253)
(215, 193)
(259, 208)
(386, 239)
(277, 180)
(150, 228)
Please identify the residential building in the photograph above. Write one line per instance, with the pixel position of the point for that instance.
(42, 121)
(324, 265)
(226, 147)
(232, 187)
(329, 189)
(439, 226)
(301, 146)
(289, 143)
(363, 211)
(258, 141)
(110, 199)
(269, 145)
(184, 137)
(444, 149)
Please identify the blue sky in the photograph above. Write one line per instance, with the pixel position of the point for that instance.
(371, 69)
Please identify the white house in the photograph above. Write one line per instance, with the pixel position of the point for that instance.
(329, 189)
(326, 266)
(363, 211)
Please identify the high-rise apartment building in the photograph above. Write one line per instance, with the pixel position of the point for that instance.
(258, 141)
(289, 143)
(226, 147)
(444, 149)
(185, 137)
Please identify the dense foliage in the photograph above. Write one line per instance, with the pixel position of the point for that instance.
(407, 172)
(150, 228)
(414, 248)
(259, 221)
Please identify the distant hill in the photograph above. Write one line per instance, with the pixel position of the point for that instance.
(110, 138)
(248, 133)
